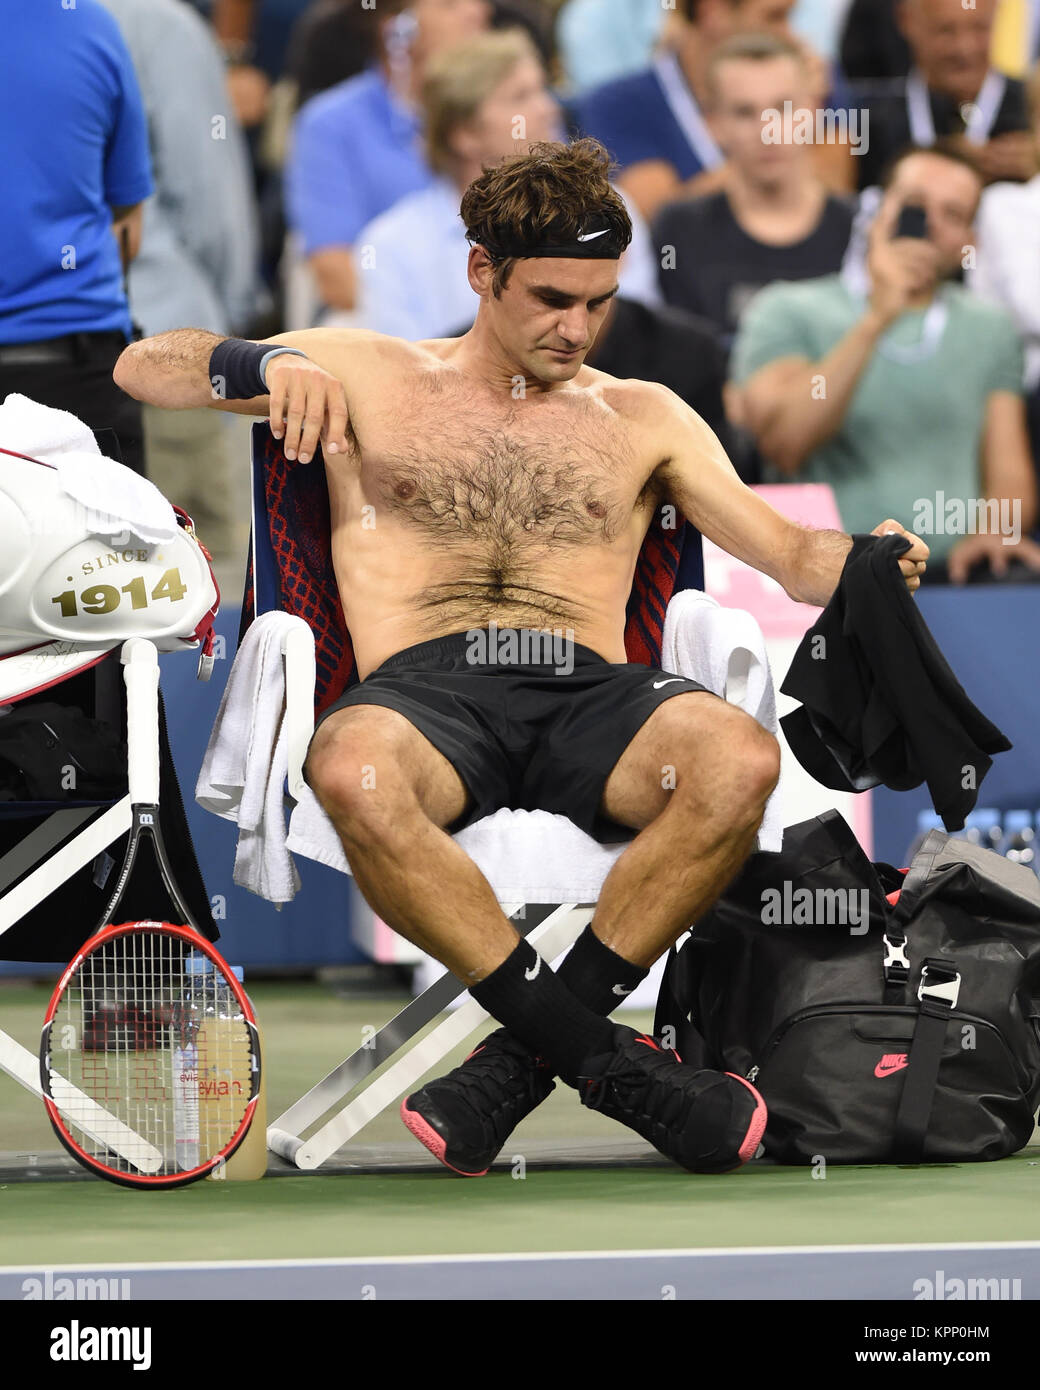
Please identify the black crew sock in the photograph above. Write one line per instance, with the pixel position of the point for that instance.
(597, 976)
(525, 996)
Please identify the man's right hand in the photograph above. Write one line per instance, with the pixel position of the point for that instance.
(900, 268)
(308, 404)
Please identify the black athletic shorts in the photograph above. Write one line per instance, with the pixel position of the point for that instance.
(529, 734)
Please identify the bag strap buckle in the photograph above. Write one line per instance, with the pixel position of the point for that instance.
(940, 983)
(896, 963)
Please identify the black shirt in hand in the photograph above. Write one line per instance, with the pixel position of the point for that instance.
(879, 702)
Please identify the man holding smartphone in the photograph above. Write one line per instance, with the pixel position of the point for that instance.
(895, 385)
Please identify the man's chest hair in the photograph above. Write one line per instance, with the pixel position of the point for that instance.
(522, 471)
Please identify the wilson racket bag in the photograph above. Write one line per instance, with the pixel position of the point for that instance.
(886, 1015)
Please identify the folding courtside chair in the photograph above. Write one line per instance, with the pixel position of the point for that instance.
(55, 854)
(291, 572)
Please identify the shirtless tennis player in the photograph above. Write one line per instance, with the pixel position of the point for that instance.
(495, 479)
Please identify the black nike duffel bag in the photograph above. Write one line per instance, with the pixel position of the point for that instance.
(886, 1016)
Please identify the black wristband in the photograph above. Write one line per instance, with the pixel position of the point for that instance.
(235, 368)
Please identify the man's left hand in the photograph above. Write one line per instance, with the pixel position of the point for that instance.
(1011, 156)
(912, 564)
(992, 550)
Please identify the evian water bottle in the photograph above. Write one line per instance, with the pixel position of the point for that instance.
(186, 1106)
(185, 1060)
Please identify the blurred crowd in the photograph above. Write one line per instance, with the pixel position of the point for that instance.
(835, 203)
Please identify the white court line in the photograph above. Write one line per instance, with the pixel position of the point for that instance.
(348, 1261)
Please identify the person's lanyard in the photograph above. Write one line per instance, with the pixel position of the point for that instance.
(857, 281)
(687, 113)
(982, 111)
(932, 330)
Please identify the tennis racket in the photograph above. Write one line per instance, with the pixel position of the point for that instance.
(149, 1057)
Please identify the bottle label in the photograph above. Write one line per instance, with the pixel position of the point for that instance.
(186, 1107)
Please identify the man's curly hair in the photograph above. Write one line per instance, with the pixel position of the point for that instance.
(542, 198)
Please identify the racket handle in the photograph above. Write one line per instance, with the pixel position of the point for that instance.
(141, 673)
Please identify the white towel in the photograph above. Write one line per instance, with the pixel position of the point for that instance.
(243, 772)
(724, 649)
(118, 501)
(526, 856)
(44, 433)
(311, 834)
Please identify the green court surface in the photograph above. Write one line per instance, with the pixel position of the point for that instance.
(567, 1180)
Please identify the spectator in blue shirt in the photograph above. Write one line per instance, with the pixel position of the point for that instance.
(654, 124)
(74, 170)
(199, 253)
(357, 148)
(602, 40)
(820, 23)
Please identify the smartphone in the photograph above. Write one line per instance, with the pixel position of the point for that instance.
(913, 222)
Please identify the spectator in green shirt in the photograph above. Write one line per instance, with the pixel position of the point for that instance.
(895, 385)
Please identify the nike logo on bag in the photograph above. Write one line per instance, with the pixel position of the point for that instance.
(530, 974)
(658, 684)
(591, 236)
(892, 1061)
